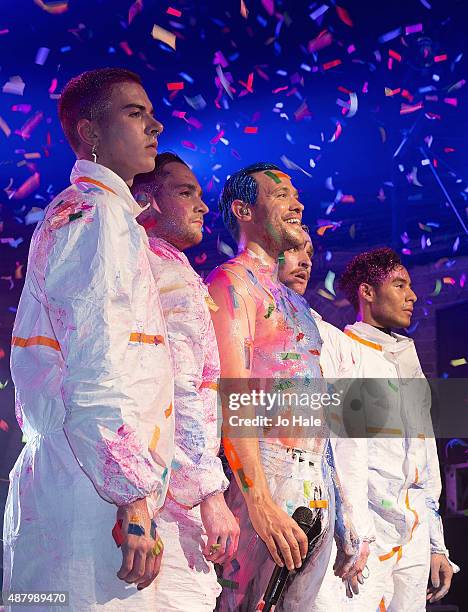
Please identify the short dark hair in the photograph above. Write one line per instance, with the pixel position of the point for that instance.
(370, 267)
(85, 97)
(149, 179)
(240, 186)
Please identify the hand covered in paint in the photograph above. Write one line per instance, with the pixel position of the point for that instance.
(221, 528)
(346, 556)
(283, 537)
(354, 577)
(441, 577)
(142, 548)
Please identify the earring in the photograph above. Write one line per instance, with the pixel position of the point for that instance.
(94, 153)
(245, 210)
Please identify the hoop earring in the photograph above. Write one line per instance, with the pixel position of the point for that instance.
(94, 153)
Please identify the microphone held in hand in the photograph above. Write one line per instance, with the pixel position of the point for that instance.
(311, 526)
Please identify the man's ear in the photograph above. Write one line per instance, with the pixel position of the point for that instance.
(366, 292)
(145, 198)
(241, 211)
(87, 132)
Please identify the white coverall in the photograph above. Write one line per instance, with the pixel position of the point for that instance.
(187, 581)
(94, 392)
(338, 359)
(403, 484)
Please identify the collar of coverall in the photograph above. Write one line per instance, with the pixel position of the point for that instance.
(370, 334)
(166, 250)
(84, 169)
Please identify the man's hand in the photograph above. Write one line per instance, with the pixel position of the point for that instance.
(281, 534)
(441, 577)
(141, 552)
(221, 528)
(353, 578)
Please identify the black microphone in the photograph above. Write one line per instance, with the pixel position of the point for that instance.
(311, 526)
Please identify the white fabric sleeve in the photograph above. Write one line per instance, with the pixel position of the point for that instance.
(197, 470)
(92, 271)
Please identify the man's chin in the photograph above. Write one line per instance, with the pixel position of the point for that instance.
(298, 287)
(293, 239)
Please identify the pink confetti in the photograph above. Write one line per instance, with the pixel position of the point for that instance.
(440, 58)
(324, 39)
(28, 187)
(189, 145)
(22, 108)
(395, 55)
(3, 425)
(331, 64)
(30, 125)
(451, 101)
(250, 129)
(217, 138)
(134, 10)
(174, 12)
(344, 16)
(125, 47)
(410, 108)
(269, 6)
(414, 28)
(175, 86)
(200, 259)
(220, 59)
(337, 132)
(53, 86)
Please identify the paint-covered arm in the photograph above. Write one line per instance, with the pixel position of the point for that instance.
(234, 323)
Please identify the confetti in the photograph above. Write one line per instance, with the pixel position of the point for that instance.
(175, 86)
(458, 362)
(243, 10)
(4, 127)
(174, 12)
(344, 16)
(329, 281)
(54, 8)
(15, 86)
(42, 55)
(164, 36)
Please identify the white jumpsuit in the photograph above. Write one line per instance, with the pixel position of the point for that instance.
(338, 360)
(94, 392)
(403, 484)
(187, 580)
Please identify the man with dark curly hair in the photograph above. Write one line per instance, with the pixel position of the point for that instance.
(403, 484)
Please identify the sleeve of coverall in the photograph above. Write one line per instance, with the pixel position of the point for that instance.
(434, 488)
(197, 472)
(341, 360)
(89, 282)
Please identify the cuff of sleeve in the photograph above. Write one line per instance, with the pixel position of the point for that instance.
(221, 486)
(207, 485)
